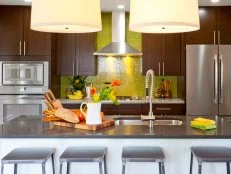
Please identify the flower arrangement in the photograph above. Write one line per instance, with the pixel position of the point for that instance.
(107, 93)
(78, 83)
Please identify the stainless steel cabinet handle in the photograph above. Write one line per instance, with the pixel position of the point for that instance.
(215, 79)
(77, 68)
(73, 68)
(219, 38)
(20, 48)
(163, 69)
(159, 68)
(164, 109)
(221, 97)
(214, 37)
(24, 47)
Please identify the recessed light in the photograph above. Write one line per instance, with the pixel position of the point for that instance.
(215, 1)
(120, 6)
(27, 0)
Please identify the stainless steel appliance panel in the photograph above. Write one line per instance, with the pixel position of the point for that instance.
(23, 74)
(225, 80)
(202, 79)
(24, 77)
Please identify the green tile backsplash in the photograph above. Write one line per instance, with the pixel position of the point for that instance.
(127, 69)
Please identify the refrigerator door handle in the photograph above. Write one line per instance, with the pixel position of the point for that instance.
(221, 97)
(216, 79)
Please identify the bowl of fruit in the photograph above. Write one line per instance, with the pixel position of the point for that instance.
(78, 95)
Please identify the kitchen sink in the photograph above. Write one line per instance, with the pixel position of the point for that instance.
(167, 121)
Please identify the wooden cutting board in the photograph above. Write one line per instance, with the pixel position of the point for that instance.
(84, 126)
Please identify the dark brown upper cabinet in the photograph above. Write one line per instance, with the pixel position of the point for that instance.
(85, 47)
(66, 54)
(11, 30)
(152, 52)
(172, 54)
(215, 27)
(35, 43)
(75, 54)
(224, 25)
(162, 53)
(16, 36)
(207, 32)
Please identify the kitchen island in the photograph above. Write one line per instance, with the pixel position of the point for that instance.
(176, 141)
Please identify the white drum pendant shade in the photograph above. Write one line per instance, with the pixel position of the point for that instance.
(164, 16)
(66, 16)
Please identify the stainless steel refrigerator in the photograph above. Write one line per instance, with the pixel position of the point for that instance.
(208, 80)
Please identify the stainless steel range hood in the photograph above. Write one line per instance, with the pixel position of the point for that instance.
(118, 47)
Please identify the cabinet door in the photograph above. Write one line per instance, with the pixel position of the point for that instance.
(85, 60)
(152, 52)
(224, 25)
(71, 106)
(207, 28)
(109, 109)
(35, 43)
(66, 54)
(166, 109)
(129, 109)
(11, 30)
(171, 55)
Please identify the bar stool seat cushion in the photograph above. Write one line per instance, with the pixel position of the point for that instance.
(28, 155)
(142, 154)
(83, 154)
(211, 154)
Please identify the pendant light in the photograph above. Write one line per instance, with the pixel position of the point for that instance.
(164, 16)
(66, 16)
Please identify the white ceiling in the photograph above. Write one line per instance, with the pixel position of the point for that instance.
(111, 5)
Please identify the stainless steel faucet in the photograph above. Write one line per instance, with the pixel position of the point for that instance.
(149, 95)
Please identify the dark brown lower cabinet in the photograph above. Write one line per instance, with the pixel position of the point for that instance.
(123, 109)
(137, 109)
(110, 109)
(166, 109)
(71, 106)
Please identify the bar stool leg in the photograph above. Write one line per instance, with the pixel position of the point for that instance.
(199, 168)
(53, 164)
(43, 168)
(160, 169)
(68, 167)
(191, 163)
(163, 168)
(228, 168)
(15, 168)
(105, 165)
(60, 168)
(123, 168)
(2, 168)
(101, 167)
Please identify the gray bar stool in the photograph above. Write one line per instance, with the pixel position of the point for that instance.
(29, 156)
(210, 154)
(84, 154)
(143, 154)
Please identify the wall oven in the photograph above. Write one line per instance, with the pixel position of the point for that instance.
(24, 77)
(22, 85)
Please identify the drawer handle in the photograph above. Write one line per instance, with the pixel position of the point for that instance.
(164, 109)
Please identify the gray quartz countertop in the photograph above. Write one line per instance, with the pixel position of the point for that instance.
(33, 127)
(127, 101)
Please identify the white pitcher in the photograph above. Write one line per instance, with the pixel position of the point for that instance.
(93, 115)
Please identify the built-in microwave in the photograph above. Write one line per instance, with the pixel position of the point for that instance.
(27, 77)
